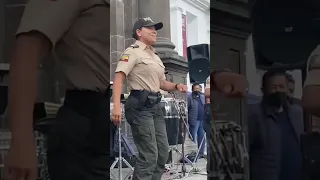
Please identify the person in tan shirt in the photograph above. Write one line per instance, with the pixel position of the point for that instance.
(145, 74)
(78, 33)
(311, 96)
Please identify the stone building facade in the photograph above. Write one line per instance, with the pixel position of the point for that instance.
(230, 27)
(123, 15)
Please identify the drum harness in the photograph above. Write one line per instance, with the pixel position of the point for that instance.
(229, 150)
(228, 141)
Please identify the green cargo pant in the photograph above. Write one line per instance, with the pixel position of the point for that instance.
(150, 137)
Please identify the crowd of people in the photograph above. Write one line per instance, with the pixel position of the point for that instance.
(275, 121)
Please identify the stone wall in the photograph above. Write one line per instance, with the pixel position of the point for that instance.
(116, 32)
(123, 15)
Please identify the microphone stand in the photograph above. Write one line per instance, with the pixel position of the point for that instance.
(181, 109)
(119, 160)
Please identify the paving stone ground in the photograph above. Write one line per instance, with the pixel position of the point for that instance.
(198, 173)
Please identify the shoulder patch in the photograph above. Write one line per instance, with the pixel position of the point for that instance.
(134, 46)
(124, 58)
(314, 62)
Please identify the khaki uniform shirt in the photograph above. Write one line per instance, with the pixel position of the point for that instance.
(313, 68)
(208, 83)
(142, 66)
(79, 31)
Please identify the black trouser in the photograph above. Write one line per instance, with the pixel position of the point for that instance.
(207, 128)
(78, 145)
(150, 137)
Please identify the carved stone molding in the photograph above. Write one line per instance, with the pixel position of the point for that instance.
(230, 24)
(203, 5)
(239, 8)
(229, 31)
(169, 56)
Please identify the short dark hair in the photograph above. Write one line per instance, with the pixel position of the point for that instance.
(134, 34)
(290, 78)
(268, 75)
(194, 85)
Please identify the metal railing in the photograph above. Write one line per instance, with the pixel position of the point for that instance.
(5, 138)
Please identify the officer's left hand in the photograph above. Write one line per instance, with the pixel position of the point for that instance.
(231, 84)
(116, 114)
(182, 88)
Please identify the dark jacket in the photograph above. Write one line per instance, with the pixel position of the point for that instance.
(253, 99)
(193, 107)
(265, 139)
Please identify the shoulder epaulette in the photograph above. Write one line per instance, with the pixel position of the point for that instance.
(134, 46)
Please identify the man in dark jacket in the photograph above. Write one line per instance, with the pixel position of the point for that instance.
(196, 101)
(275, 126)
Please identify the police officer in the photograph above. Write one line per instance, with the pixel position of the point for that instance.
(144, 71)
(78, 31)
(311, 96)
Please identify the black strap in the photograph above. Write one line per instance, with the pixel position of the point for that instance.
(137, 93)
(88, 103)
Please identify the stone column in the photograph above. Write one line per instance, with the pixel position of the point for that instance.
(116, 33)
(2, 30)
(159, 11)
(131, 15)
(176, 13)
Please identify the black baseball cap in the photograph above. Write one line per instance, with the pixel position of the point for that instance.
(146, 22)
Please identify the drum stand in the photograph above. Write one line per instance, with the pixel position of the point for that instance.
(182, 112)
(120, 159)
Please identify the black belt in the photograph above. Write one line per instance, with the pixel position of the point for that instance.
(88, 103)
(146, 98)
(137, 93)
(207, 113)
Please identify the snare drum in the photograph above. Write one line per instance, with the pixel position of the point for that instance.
(172, 120)
(169, 110)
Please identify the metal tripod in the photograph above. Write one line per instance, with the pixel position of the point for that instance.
(182, 112)
(197, 155)
(120, 159)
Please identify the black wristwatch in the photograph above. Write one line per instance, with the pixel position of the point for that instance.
(176, 86)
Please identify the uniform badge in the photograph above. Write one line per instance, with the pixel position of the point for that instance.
(124, 58)
(134, 46)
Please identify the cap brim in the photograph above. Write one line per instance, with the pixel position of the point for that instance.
(157, 26)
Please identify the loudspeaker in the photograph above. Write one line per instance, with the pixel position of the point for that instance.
(3, 99)
(198, 63)
(285, 32)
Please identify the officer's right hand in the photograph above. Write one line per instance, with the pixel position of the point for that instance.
(21, 160)
(116, 115)
(231, 84)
